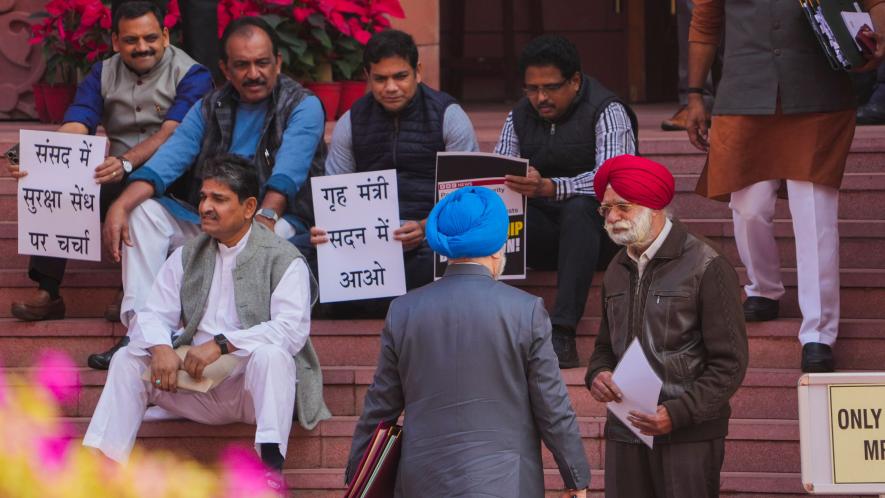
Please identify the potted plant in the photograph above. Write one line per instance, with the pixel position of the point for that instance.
(360, 19)
(73, 35)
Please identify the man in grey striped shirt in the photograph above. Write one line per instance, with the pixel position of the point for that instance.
(567, 125)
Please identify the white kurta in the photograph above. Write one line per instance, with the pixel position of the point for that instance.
(260, 390)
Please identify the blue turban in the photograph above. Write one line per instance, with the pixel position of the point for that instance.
(471, 222)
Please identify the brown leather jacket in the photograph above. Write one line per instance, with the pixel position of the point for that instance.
(686, 312)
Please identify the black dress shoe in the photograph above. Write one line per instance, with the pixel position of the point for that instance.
(760, 309)
(102, 361)
(871, 114)
(566, 350)
(817, 358)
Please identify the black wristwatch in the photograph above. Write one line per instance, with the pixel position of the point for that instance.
(222, 343)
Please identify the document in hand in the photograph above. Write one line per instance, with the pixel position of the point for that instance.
(640, 387)
(376, 474)
(213, 374)
(834, 23)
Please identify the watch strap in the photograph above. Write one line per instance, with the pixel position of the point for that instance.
(222, 342)
(268, 213)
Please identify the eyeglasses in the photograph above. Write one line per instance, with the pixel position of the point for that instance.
(532, 90)
(622, 207)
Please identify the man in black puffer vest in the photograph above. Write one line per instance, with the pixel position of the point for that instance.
(401, 124)
(567, 125)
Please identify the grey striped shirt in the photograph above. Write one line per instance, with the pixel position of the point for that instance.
(614, 137)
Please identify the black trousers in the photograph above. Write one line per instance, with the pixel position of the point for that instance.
(40, 267)
(675, 470)
(567, 236)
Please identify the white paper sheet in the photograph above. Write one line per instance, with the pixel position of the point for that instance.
(58, 200)
(359, 212)
(854, 21)
(640, 386)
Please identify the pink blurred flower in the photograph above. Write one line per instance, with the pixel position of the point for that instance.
(52, 451)
(245, 475)
(173, 14)
(57, 374)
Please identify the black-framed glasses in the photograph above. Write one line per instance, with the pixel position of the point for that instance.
(622, 207)
(532, 90)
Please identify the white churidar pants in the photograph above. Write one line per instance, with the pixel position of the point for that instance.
(814, 209)
(155, 234)
(261, 391)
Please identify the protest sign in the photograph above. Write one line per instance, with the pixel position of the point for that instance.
(359, 213)
(462, 169)
(58, 201)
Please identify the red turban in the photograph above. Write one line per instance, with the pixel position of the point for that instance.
(637, 180)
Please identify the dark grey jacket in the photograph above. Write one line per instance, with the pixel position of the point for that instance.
(686, 312)
(470, 361)
(770, 50)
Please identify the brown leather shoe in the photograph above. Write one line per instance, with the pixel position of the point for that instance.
(39, 306)
(112, 312)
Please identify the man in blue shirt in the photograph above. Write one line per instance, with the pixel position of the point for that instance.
(139, 96)
(259, 114)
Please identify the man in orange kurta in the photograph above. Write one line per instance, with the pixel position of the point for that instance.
(781, 115)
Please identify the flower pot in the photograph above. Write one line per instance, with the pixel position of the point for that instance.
(329, 94)
(40, 103)
(351, 91)
(57, 99)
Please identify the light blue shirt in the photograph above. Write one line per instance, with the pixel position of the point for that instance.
(303, 133)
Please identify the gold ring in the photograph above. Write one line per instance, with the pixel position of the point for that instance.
(114, 173)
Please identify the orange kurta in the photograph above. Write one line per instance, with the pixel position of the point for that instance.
(810, 147)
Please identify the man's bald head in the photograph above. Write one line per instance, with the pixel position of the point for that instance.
(248, 27)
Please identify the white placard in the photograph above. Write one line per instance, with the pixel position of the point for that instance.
(359, 213)
(640, 387)
(58, 201)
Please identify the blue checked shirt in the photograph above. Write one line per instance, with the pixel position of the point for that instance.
(614, 137)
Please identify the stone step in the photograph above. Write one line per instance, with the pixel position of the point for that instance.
(773, 344)
(857, 237)
(328, 445)
(765, 393)
(326, 483)
(88, 292)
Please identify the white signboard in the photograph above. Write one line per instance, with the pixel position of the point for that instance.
(842, 432)
(359, 213)
(58, 201)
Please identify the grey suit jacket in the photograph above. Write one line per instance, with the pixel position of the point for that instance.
(470, 361)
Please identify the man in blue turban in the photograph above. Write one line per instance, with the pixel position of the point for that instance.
(469, 360)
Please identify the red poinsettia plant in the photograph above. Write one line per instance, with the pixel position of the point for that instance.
(314, 34)
(73, 35)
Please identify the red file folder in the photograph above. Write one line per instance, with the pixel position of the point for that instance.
(375, 476)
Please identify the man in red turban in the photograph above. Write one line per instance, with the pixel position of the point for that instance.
(680, 298)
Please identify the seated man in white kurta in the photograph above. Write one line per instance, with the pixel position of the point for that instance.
(238, 290)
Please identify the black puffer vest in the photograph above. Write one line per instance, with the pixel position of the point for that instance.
(566, 147)
(407, 142)
(219, 111)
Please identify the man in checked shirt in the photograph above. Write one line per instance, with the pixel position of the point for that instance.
(567, 125)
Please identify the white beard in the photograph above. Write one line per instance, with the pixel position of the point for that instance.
(633, 232)
(501, 265)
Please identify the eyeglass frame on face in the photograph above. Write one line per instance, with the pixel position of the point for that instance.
(623, 208)
(549, 88)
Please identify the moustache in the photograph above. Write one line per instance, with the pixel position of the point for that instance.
(146, 53)
(619, 225)
(255, 82)
(210, 216)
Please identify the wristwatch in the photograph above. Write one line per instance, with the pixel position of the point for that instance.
(268, 213)
(127, 166)
(222, 343)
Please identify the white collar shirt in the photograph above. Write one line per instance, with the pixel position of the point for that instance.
(289, 323)
(645, 258)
